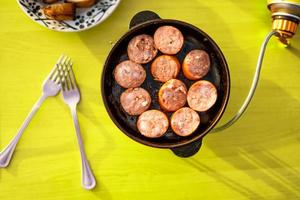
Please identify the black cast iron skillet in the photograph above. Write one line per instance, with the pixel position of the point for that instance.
(146, 22)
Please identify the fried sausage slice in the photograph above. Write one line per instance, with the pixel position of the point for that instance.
(135, 101)
(202, 95)
(185, 121)
(129, 74)
(153, 123)
(168, 39)
(172, 95)
(196, 64)
(141, 49)
(165, 67)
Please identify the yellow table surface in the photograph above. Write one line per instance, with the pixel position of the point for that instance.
(258, 158)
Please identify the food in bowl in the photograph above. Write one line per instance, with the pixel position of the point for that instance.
(60, 11)
(50, 1)
(82, 3)
(65, 10)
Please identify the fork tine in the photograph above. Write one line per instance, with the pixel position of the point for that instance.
(66, 74)
(61, 74)
(68, 78)
(72, 76)
(62, 66)
(53, 73)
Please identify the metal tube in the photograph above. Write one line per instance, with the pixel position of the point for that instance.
(253, 86)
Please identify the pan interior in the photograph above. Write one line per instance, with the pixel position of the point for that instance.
(194, 39)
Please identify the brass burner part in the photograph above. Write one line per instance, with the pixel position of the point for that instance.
(286, 17)
(285, 27)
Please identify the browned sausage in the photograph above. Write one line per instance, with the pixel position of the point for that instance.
(153, 123)
(185, 121)
(135, 101)
(202, 95)
(141, 49)
(172, 95)
(129, 74)
(60, 11)
(50, 1)
(82, 3)
(165, 67)
(168, 39)
(196, 64)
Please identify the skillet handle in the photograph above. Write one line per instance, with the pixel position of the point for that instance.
(143, 16)
(187, 150)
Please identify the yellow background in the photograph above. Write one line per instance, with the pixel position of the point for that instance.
(258, 158)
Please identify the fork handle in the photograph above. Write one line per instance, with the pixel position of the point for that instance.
(6, 154)
(88, 180)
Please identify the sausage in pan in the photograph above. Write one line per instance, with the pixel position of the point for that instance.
(129, 74)
(172, 95)
(185, 121)
(141, 49)
(165, 67)
(202, 95)
(153, 123)
(168, 39)
(135, 101)
(196, 64)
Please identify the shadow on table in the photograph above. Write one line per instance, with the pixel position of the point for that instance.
(101, 191)
(260, 10)
(294, 48)
(246, 149)
(257, 8)
(85, 110)
(225, 180)
(21, 154)
(96, 117)
(102, 37)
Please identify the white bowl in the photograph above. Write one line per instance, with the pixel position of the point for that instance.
(86, 18)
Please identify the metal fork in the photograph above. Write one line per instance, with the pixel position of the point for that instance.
(71, 96)
(50, 87)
